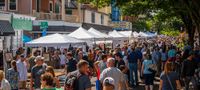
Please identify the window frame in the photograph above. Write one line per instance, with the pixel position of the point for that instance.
(16, 1)
(51, 8)
(93, 17)
(102, 19)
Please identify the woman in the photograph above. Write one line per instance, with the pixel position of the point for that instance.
(4, 84)
(12, 76)
(169, 79)
(50, 70)
(47, 81)
(163, 58)
(148, 76)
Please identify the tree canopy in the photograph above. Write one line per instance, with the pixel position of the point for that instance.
(160, 13)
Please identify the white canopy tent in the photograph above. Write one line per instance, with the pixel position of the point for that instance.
(83, 34)
(127, 33)
(116, 34)
(98, 33)
(55, 40)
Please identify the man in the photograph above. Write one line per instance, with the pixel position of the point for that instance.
(188, 71)
(36, 73)
(83, 81)
(112, 72)
(22, 69)
(133, 67)
(102, 64)
(156, 57)
(71, 64)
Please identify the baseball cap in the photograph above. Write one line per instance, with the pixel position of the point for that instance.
(39, 58)
(109, 81)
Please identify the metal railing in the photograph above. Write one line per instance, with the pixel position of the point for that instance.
(54, 16)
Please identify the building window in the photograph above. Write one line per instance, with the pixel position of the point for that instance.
(12, 4)
(51, 6)
(2, 3)
(102, 19)
(37, 5)
(93, 17)
(68, 11)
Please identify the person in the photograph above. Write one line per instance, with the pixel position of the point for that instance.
(163, 58)
(133, 67)
(102, 63)
(56, 83)
(113, 72)
(22, 69)
(148, 76)
(4, 84)
(172, 52)
(12, 76)
(62, 60)
(31, 61)
(169, 79)
(119, 59)
(108, 84)
(83, 81)
(71, 64)
(156, 57)
(125, 84)
(36, 73)
(47, 82)
(56, 60)
(188, 71)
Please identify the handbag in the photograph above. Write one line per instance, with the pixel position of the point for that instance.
(152, 68)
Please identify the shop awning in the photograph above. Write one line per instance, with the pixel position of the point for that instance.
(6, 28)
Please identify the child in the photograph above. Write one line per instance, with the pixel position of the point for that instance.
(125, 85)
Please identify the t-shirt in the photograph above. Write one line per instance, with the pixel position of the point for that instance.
(83, 81)
(71, 65)
(171, 53)
(121, 62)
(102, 65)
(36, 73)
(172, 76)
(114, 73)
(125, 76)
(146, 64)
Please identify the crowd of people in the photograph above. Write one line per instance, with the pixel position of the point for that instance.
(121, 68)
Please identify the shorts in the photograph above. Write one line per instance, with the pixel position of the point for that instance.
(148, 79)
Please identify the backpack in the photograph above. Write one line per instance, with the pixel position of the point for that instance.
(71, 82)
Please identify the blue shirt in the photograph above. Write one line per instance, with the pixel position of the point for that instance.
(171, 53)
(167, 79)
(146, 64)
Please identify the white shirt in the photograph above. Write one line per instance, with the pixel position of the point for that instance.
(62, 59)
(5, 85)
(22, 69)
(114, 73)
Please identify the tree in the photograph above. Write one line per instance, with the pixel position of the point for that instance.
(187, 10)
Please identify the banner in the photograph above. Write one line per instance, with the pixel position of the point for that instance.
(22, 22)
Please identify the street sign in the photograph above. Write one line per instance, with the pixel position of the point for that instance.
(43, 25)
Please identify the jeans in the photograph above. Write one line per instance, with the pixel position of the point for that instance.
(187, 81)
(133, 68)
